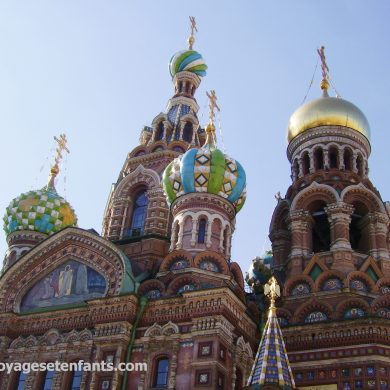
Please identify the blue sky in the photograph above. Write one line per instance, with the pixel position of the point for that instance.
(97, 70)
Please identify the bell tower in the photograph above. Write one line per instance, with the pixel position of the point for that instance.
(330, 247)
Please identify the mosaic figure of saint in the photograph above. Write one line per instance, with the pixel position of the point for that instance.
(65, 281)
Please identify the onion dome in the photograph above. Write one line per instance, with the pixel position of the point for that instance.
(206, 170)
(42, 210)
(327, 111)
(189, 61)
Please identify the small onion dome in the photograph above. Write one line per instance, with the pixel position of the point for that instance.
(327, 111)
(41, 211)
(258, 272)
(205, 170)
(189, 61)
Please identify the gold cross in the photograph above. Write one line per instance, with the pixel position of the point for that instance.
(191, 39)
(324, 67)
(212, 105)
(272, 291)
(61, 141)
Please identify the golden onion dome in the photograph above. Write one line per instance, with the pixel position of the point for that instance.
(327, 111)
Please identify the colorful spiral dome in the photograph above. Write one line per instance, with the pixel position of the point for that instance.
(189, 61)
(42, 211)
(206, 170)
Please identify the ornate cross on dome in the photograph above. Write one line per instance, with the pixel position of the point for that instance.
(325, 69)
(62, 147)
(191, 39)
(272, 291)
(212, 105)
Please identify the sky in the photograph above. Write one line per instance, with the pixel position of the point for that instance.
(98, 71)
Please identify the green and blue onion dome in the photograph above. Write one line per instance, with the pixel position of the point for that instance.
(189, 61)
(41, 211)
(206, 170)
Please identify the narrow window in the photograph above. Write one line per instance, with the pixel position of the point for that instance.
(202, 231)
(21, 381)
(160, 131)
(161, 374)
(47, 380)
(139, 214)
(75, 383)
(333, 158)
(187, 132)
(306, 164)
(318, 159)
(320, 227)
(347, 160)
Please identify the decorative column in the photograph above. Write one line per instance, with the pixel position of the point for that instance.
(311, 158)
(341, 159)
(193, 232)
(354, 162)
(300, 165)
(380, 222)
(208, 233)
(326, 159)
(299, 225)
(339, 217)
(179, 242)
(280, 247)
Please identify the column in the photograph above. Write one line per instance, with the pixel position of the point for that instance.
(326, 159)
(193, 232)
(341, 159)
(208, 233)
(299, 226)
(339, 217)
(311, 158)
(180, 235)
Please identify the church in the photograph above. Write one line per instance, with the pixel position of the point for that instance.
(158, 285)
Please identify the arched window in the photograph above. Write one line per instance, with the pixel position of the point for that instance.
(160, 131)
(187, 132)
(21, 380)
(75, 382)
(295, 169)
(348, 160)
(318, 159)
(333, 158)
(161, 373)
(306, 163)
(202, 231)
(139, 215)
(320, 227)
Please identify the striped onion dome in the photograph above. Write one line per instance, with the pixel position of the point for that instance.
(189, 61)
(206, 170)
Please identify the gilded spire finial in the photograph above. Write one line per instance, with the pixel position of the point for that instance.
(272, 291)
(55, 169)
(210, 128)
(325, 71)
(191, 38)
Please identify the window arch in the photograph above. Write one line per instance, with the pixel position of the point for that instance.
(187, 132)
(160, 378)
(139, 214)
(202, 231)
(160, 131)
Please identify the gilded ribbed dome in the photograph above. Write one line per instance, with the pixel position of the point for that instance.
(327, 111)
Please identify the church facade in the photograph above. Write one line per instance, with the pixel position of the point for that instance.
(157, 287)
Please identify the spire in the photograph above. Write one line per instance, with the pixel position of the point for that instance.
(211, 139)
(325, 71)
(191, 38)
(271, 366)
(55, 169)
